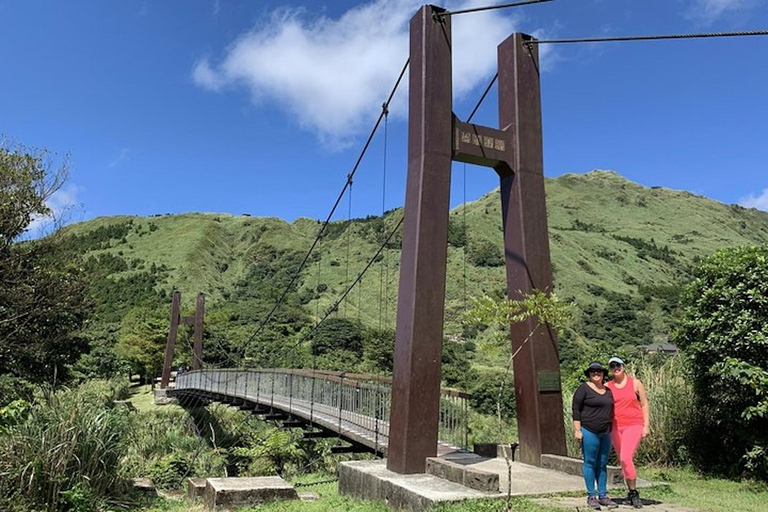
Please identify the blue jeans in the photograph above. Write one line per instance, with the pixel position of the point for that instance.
(595, 449)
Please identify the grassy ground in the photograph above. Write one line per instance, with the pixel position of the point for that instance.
(685, 488)
(692, 490)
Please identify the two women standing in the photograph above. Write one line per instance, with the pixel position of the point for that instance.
(616, 413)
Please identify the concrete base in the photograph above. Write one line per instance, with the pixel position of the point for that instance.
(227, 493)
(371, 480)
(458, 469)
(195, 488)
(143, 485)
(161, 397)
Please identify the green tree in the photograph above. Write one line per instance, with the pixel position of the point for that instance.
(724, 331)
(42, 295)
(142, 339)
(338, 334)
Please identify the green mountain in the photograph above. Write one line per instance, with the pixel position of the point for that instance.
(619, 250)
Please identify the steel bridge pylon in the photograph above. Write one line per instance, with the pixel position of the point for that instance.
(436, 137)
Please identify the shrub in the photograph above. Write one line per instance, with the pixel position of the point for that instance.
(485, 254)
(338, 334)
(724, 331)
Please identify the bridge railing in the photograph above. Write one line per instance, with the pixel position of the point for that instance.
(356, 405)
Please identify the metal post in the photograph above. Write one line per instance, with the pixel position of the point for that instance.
(526, 244)
(421, 299)
(171, 345)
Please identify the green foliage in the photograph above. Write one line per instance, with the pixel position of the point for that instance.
(457, 363)
(42, 296)
(493, 393)
(724, 330)
(170, 444)
(70, 441)
(648, 249)
(338, 334)
(673, 413)
(457, 233)
(142, 339)
(379, 349)
(483, 253)
(544, 308)
(619, 321)
(274, 451)
(12, 414)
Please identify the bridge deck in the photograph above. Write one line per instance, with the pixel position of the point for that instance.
(355, 410)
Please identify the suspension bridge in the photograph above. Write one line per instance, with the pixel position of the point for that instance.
(409, 418)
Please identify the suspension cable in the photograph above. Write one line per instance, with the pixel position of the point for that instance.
(482, 98)
(490, 8)
(335, 306)
(657, 37)
(383, 211)
(349, 234)
(297, 273)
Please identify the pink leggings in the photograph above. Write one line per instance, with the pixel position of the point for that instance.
(625, 442)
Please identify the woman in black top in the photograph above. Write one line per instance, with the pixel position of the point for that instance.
(592, 416)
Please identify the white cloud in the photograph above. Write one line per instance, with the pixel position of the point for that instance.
(332, 74)
(708, 11)
(62, 203)
(756, 201)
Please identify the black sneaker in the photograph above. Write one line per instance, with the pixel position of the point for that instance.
(593, 503)
(607, 502)
(634, 499)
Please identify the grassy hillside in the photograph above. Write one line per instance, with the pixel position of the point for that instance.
(619, 250)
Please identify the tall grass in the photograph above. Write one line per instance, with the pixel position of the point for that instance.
(67, 450)
(673, 413)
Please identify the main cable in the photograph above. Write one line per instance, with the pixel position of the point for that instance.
(333, 210)
(490, 8)
(657, 37)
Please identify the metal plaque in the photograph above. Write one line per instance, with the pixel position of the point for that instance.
(549, 381)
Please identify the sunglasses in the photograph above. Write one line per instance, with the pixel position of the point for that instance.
(614, 366)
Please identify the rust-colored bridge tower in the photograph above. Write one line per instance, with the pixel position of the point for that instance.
(176, 319)
(435, 138)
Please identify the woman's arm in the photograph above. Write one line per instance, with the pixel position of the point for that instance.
(578, 404)
(640, 390)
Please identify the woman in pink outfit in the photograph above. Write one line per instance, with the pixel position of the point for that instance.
(630, 422)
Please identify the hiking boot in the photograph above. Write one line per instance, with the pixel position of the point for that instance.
(607, 502)
(593, 503)
(634, 499)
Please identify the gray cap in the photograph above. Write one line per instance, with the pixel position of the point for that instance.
(616, 360)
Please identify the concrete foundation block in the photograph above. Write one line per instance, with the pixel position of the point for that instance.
(573, 466)
(227, 493)
(481, 480)
(371, 480)
(195, 488)
(463, 474)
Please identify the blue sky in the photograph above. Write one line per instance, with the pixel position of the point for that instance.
(263, 107)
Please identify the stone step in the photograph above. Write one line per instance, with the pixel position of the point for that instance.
(373, 481)
(462, 473)
(228, 493)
